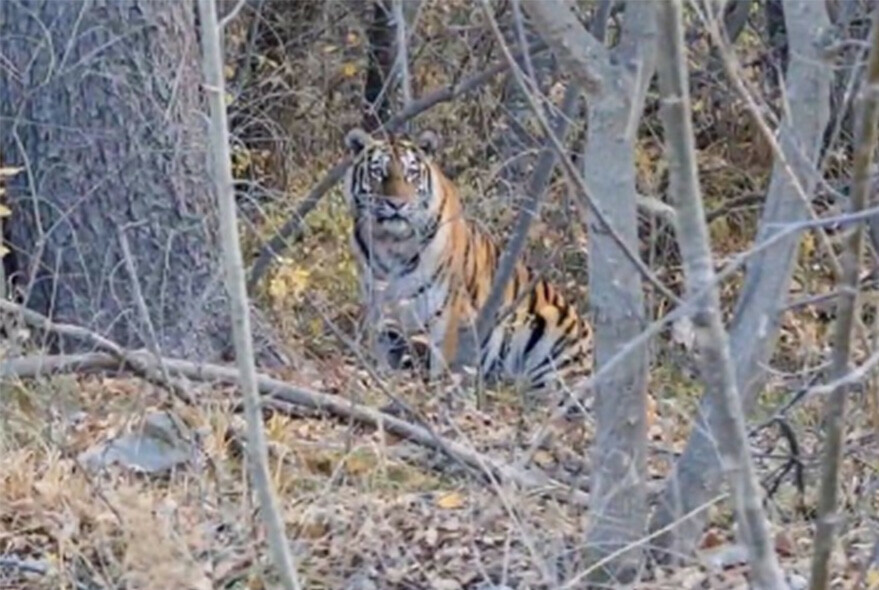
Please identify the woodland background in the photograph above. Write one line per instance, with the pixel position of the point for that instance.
(123, 462)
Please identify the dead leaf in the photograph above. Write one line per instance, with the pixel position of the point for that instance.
(349, 70)
(450, 501)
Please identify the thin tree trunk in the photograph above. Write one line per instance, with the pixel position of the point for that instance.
(697, 475)
(847, 308)
(258, 461)
(714, 358)
(99, 102)
(378, 93)
(619, 512)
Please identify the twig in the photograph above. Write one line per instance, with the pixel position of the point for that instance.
(578, 579)
(237, 292)
(732, 68)
(151, 340)
(291, 231)
(715, 359)
(845, 322)
(224, 22)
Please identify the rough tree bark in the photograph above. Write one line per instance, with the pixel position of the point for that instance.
(100, 103)
(618, 82)
(697, 475)
(378, 92)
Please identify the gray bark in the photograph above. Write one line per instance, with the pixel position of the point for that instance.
(618, 513)
(846, 311)
(100, 103)
(619, 510)
(258, 457)
(715, 361)
(697, 475)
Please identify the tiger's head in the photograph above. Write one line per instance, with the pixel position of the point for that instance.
(392, 184)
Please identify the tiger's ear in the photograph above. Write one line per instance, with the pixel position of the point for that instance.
(356, 140)
(428, 142)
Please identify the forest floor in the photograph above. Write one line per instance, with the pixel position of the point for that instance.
(363, 508)
(366, 509)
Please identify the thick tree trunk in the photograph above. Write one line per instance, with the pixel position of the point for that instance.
(101, 103)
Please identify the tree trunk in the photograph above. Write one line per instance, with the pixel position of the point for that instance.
(618, 82)
(619, 514)
(101, 105)
(698, 473)
(379, 91)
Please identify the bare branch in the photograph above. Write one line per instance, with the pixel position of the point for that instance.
(715, 362)
(583, 191)
(237, 290)
(598, 27)
(402, 52)
(846, 310)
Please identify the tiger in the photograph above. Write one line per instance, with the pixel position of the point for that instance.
(430, 270)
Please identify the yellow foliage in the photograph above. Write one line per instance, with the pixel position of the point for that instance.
(4, 210)
(290, 282)
(349, 69)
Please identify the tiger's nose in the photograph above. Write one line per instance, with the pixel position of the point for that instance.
(396, 201)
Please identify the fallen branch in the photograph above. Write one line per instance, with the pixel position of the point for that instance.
(291, 231)
(285, 393)
(120, 355)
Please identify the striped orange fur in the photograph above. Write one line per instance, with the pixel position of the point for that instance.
(429, 270)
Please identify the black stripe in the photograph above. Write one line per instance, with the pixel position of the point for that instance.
(537, 332)
(362, 246)
(429, 234)
(432, 280)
